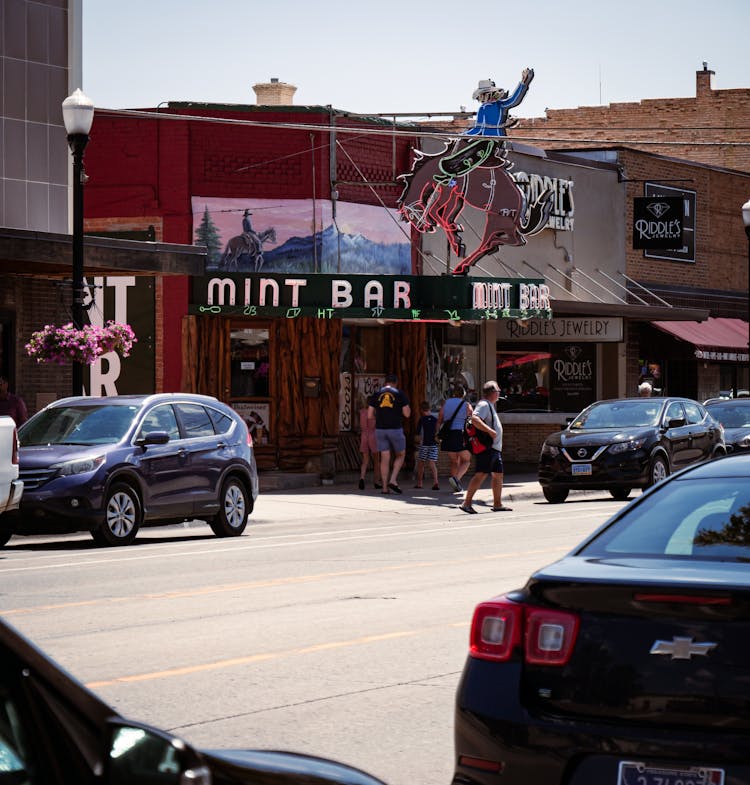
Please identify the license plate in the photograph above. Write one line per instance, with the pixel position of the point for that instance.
(632, 773)
(581, 468)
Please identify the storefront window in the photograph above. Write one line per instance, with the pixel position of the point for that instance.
(452, 360)
(523, 376)
(651, 372)
(362, 370)
(363, 349)
(249, 349)
(555, 377)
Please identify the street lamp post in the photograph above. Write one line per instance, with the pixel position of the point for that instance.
(78, 115)
(746, 220)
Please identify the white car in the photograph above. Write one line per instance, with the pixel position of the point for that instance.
(11, 487)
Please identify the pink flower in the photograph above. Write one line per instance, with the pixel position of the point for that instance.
(69, 344)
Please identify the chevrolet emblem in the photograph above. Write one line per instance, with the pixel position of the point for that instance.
(682, 648)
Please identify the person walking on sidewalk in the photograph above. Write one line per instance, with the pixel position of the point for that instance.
(428, 448)
(490, 461)
(368, 446)
(455, 411)
(388, 406)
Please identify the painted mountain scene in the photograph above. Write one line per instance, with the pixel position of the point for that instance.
(299, 235)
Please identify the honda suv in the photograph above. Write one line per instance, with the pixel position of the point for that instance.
(111, 465)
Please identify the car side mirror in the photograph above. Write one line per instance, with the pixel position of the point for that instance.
(153, 437)
(139, 753)
(676, 422)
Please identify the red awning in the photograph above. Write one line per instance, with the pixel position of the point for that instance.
(712, 334)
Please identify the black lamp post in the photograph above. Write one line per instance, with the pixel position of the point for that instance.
(746, 220)
(78, 115)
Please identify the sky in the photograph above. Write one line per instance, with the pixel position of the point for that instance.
(391, 56)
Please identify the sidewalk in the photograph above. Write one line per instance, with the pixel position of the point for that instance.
(520, 482)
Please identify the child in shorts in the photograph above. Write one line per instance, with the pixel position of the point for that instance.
(368, 446)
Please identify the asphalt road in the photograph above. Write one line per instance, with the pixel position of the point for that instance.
(337, 625)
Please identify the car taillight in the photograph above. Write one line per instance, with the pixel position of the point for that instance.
(499, 626)
(14, 456)
(550, 636)
(496, 629)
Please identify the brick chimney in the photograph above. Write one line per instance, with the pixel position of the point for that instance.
(704, 82)
(274, 93)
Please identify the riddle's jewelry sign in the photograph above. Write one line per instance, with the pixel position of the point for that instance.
(410, 297)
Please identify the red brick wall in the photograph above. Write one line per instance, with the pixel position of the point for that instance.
(721, 244)
(150, 169)
(698, 129)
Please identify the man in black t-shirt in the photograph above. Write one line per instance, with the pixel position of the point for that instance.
(388, 406)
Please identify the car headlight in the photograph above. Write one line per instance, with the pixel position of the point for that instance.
(744, 442)
(79, 466)
(550, 449)
(630, 446)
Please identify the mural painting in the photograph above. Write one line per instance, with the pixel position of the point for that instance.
(300, 235)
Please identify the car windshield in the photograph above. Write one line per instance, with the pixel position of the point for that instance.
(618, 414)
(690, 519)
(90, 424)
(731, 415)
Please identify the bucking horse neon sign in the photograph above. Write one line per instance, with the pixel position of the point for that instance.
(472, 171)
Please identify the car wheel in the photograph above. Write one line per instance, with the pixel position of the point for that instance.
(620, 494)
(234, 507)
(122, 517)
(4, 537)
(658, 471)
(555, 495)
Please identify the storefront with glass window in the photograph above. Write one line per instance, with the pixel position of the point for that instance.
(299, 356)
(550, 370)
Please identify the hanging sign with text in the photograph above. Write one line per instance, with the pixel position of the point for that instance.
(409, 297)
(657, 222)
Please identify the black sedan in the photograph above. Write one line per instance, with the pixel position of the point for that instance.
(734, 415)
(111, 465)
(53, 731)
(628, 443)
(624, 663)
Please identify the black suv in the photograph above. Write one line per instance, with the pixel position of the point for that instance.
(627, 443)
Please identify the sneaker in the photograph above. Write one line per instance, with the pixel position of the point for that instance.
(435, 487)
(454, 483)
(361, 485)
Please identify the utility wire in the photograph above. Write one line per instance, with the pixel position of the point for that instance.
(417, 131)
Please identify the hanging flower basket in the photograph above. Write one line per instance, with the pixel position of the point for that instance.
(68, 344)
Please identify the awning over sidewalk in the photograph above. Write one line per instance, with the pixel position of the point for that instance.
(714, 339)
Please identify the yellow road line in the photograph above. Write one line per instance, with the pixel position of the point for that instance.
(188, 670)
(288, 581)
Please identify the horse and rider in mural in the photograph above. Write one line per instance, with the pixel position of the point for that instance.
(475, 173)
(247, 247)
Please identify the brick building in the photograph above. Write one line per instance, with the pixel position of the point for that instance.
(40, 58)
(710, 128)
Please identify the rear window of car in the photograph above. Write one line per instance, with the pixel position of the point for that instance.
(222, 422)
(698, 519)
